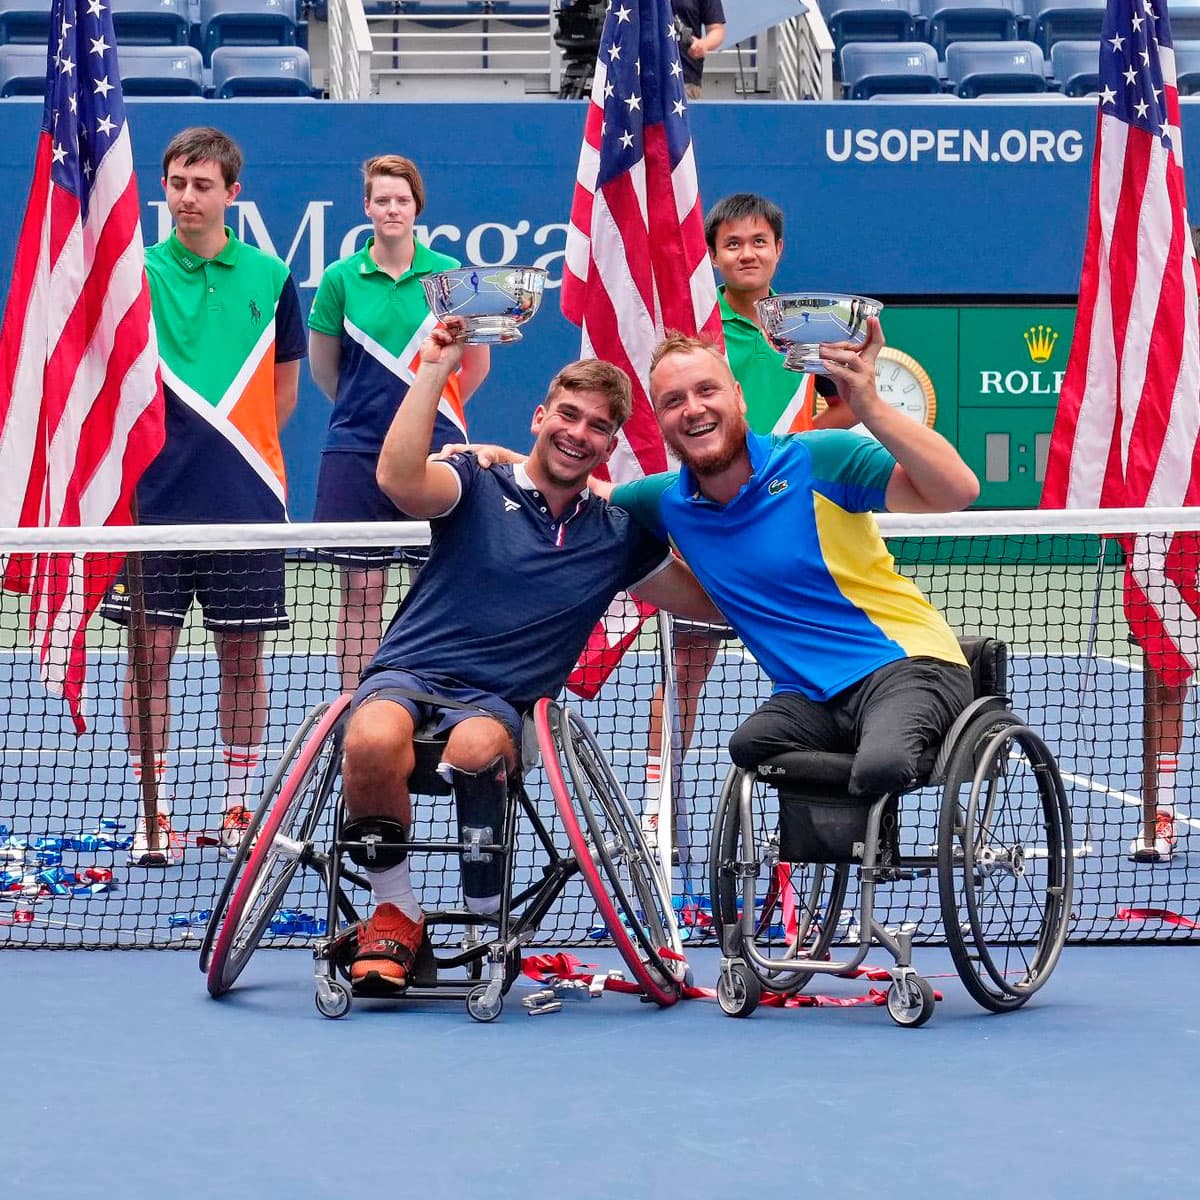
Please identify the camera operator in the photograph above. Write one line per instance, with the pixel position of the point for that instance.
(700, 25)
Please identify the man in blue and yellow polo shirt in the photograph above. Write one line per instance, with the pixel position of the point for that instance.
(779, 532)
(230, 341)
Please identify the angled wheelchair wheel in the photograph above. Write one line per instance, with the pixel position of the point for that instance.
(1005, 864)
(279, 837)
(797, 905)
(611, 851)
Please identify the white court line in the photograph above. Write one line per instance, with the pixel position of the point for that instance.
(1124, 797)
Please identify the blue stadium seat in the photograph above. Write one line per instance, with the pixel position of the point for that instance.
(949, 21)
(893, 67)
(26, 21)
(1185, 21)
(151, 22)
(995, 68)
(1056, 20)
(867, 21)
(1075, 66)
(161, 70)
(22, 70)
(1187, 67)
(246, 23)
(260, 71)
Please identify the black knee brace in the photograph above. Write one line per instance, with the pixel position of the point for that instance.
(481, 797)
(379, 843)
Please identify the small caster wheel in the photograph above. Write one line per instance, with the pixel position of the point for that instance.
(918, 1009)
(333, 1000)
(738, 991)
(481, 1007)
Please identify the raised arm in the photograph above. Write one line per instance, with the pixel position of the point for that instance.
(419, 486)
(929, 475)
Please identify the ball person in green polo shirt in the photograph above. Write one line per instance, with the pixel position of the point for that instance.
(230, 340)
(744, 233)
(367, 323)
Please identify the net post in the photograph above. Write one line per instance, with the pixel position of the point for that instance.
(139, 682)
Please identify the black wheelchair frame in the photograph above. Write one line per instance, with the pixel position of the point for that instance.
(607, 850)
(990, 763)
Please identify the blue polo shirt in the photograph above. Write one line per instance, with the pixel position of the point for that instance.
(796, 563)
(509, 595)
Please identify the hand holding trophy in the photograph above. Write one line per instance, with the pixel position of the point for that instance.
(798, 323)
(491, 301)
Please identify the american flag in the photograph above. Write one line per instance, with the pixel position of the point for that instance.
(636, 260)
(81, 412)
(1127, 433)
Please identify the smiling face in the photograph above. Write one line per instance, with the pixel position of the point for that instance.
(747, 253)
(391, 207)
(576, 432)
(197, 197)
(700, 409)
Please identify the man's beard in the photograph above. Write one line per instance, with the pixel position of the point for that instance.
(714, 461)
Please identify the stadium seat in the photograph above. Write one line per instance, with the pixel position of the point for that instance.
(22, 70)
(260, 71)
(895, 67)
(151, 22)
(26, 21)
(1055, 20)
(1187, 67)
(995, 68)
(246, 23)
(161, 71)
(949, 21)
(1185, 21)
(1075, 67)
(867, 21)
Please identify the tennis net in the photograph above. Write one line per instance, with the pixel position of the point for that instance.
(1048, 584)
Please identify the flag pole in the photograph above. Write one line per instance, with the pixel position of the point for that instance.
(139, 682)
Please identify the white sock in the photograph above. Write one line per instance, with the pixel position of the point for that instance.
(393, 885)
(241, 765)
(1167, 765)
(160, 772)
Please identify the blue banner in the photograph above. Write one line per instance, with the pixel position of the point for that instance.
(903, 201)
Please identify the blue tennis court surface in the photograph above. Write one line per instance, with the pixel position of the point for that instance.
(123, 1075)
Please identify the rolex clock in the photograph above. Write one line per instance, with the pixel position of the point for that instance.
(905, 385)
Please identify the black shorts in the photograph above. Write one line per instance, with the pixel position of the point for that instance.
(237, 589)
(382, 685)
(893, 722)
(347, 491)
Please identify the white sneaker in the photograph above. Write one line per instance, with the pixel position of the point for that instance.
(1163, 846)
(170, 848)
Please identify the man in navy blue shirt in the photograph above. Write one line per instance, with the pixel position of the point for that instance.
(524, 560)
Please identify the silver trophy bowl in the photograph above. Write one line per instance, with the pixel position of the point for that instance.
(493, 301)
(798, 323)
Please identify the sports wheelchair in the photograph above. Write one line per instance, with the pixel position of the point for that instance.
(300, 824)
(787, 835)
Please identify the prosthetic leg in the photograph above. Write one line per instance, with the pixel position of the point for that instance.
(480, 798)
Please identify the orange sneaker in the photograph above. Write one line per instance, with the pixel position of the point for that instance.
(388, 949)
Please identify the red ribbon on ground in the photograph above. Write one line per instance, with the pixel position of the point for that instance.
(1156, 914)
(549, 968)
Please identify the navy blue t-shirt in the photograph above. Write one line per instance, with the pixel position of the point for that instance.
(509, 595)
